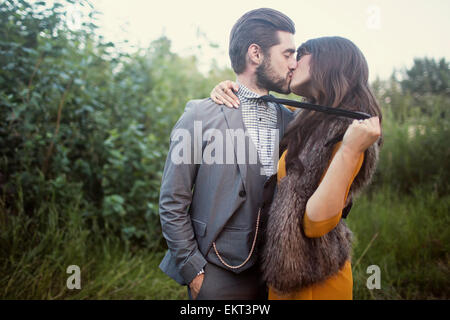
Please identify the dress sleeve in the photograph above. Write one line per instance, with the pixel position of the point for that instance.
(315, 229)
(281, 171)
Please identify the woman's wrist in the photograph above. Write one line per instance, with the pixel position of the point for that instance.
(350, 152)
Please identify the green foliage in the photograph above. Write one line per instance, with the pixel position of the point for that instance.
(416, 133)
(428, 76)
(76, 112)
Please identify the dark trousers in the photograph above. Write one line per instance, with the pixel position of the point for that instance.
(222, 284)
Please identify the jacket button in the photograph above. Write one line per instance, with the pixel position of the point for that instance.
(242, 193)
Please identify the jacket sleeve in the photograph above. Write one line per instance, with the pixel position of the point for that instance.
(176, 195)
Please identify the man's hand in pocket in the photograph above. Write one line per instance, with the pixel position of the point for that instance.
(195, 285)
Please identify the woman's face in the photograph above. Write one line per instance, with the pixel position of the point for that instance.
(300, 83)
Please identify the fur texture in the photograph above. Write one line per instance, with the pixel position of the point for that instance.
(290, 260)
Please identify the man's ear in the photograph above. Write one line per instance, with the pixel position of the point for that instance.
(255, 54)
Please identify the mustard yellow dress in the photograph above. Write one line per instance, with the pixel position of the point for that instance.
(338, 286)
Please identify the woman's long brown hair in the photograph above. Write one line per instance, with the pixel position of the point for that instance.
(339, 78)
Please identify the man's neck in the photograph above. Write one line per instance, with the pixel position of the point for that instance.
(250, 82)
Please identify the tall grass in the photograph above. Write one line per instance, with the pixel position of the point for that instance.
(407, 237)
(36, 250)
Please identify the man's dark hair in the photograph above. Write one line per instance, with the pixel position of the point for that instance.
(258, 26)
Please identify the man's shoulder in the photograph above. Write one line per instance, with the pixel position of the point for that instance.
(202, 106)
(204, 110)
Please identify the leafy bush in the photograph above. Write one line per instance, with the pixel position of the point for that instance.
(79, 115)
(416, 132)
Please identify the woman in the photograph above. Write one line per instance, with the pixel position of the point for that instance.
(306, 252)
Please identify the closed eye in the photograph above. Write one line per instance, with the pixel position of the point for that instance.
(288, 53)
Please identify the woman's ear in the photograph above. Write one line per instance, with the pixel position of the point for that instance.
(255, 54)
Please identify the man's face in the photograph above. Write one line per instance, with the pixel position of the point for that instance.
(275, 72)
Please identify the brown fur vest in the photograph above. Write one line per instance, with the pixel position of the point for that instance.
(290, 260)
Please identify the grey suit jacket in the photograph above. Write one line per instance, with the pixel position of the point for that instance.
(205, 202)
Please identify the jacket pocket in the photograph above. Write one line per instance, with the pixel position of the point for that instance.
(233, 246)
(235, 229)
(199, 227)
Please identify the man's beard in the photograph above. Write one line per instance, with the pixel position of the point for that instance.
(266, 78)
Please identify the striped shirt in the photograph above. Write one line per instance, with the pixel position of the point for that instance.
(260, 120)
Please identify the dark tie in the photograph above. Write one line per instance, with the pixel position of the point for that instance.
(328, 110)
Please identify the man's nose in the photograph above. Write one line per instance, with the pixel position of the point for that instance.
(293, 64)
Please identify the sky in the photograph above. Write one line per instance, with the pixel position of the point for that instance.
(390, 33)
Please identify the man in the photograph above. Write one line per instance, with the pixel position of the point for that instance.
(209, 207)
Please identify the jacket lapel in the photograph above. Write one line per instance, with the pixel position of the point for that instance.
(281, 128)
(234, 121)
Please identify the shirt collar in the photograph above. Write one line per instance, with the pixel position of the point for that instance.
(246, 92)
